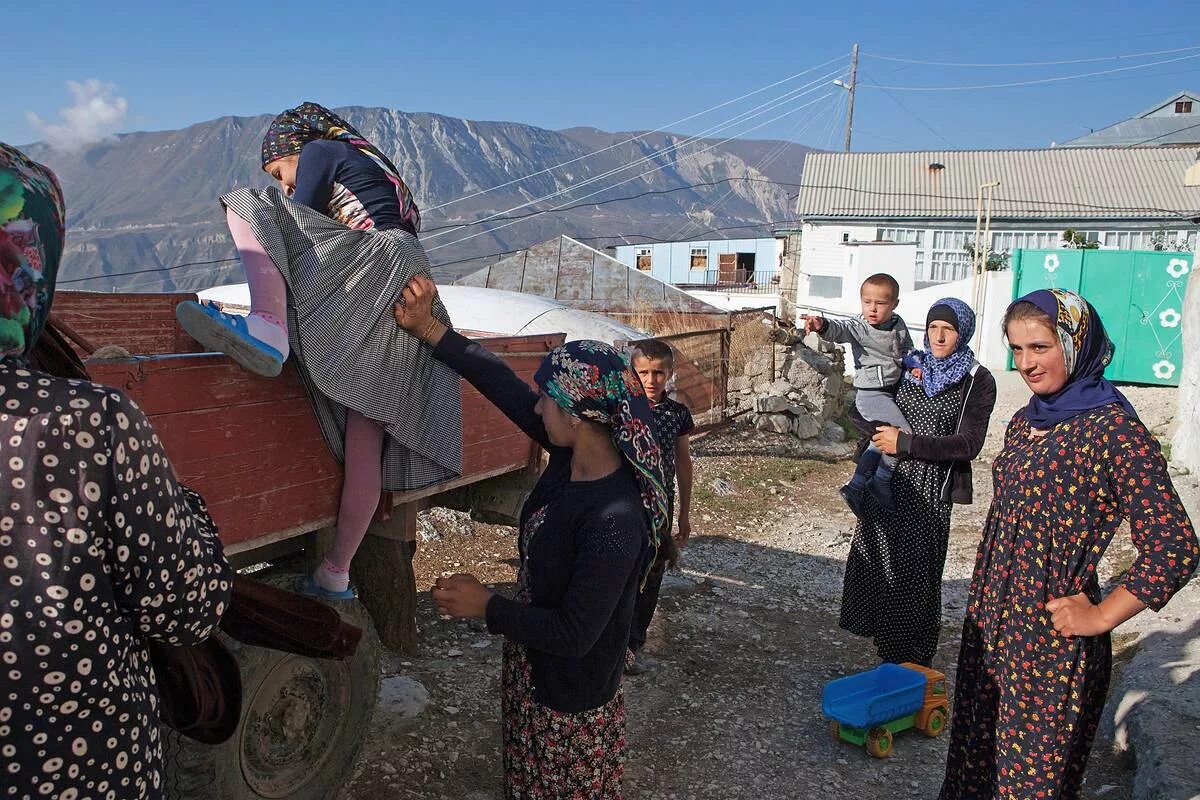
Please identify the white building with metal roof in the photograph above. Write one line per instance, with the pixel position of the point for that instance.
(1141, 198)
(1173, 121)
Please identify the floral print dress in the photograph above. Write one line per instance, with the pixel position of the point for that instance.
(548, 754)
(1028, 700)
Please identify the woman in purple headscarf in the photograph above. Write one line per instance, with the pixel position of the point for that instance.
(1034, 666)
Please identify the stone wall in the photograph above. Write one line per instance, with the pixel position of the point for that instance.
(798, 390)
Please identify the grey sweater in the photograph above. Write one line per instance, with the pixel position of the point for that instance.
(878, 350)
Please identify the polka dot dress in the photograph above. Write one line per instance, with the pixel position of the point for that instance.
(893, 586)
(1027, 700)
(99, 550)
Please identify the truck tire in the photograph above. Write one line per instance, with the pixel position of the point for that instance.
(302, 725)
(879, 742)
(936, 722)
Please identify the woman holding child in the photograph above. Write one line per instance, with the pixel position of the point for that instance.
(893, 584)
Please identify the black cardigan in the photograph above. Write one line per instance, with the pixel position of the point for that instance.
(979, 398)
(584, 563)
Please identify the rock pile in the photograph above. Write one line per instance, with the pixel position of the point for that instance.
(798, 390)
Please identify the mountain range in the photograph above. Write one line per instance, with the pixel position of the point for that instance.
(140, 204)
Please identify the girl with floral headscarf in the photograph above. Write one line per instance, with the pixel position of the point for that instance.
(1035, 659)
(101, 549)
(326, 256)
(588, 535)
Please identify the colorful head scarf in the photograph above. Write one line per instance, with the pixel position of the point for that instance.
(938, 374)
(31, 244)
(1087, 350)
(592, 381)
(308, 122)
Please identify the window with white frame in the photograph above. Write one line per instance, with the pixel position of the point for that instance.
(643, 259)
(947, 258)
(699, 258)
(1007, 241)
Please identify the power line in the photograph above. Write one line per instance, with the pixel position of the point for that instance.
(1034, 63)
(911, 113)
(636, 177)
(757, 111)
(613, 200)
(637, 138)
(645, 236)
(147, 271)
(1029, 82)
(1181, 214)
(1163, 135)
(770, 158)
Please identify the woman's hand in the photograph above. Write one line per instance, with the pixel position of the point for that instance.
(886, 438)
(414, 312)
(1076, 615)
(685, 531)
(461, 596)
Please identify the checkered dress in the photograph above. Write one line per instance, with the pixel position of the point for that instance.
(342, 286)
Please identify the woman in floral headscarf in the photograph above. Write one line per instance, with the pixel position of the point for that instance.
(326, 255)
(1034, 665)
(589, 532)
(101, 549)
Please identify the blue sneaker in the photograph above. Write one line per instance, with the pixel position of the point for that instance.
(227, 333)
(310, 588)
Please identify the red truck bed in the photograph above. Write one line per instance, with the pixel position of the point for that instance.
(251, 445)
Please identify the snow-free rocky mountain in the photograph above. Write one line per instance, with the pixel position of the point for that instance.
(141, 201)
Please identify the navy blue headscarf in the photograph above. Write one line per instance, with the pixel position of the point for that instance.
(938, 374)
(1087, 350)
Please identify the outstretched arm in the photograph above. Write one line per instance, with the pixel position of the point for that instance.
(494, 379)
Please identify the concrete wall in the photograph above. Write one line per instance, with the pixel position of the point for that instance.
(1185, 447)
(670, 262)
(823, 258)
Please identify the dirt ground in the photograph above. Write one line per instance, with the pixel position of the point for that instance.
(745, 639)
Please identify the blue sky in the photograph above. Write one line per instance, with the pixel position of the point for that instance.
(615, 65)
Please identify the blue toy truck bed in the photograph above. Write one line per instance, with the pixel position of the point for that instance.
(876, 696)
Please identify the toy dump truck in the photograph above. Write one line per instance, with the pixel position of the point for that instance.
(252, 447)
(869, 708)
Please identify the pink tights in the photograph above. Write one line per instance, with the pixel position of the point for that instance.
(364, 437)
(267, 320)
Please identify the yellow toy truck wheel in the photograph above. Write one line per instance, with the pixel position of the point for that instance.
(835, 730)
(936, 722)
(879, 742)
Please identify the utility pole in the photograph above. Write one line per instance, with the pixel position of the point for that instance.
(850, 88)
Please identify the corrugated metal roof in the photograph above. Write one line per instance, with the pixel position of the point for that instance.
(1183, 129)
(1058, 183)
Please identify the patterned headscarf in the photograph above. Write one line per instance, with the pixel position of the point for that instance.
(31, 244)
(938, 374)
(592, 381)
(1087, 350)
(308, 122)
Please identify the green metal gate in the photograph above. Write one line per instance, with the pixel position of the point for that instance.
(1138, 293)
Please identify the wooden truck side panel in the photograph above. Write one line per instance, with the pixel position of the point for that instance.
(250, 445)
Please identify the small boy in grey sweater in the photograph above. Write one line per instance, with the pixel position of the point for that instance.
(879, 341)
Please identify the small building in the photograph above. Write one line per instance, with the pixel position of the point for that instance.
(1144, 198)
(711, 263)
(1173, 121)
(581, 277)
